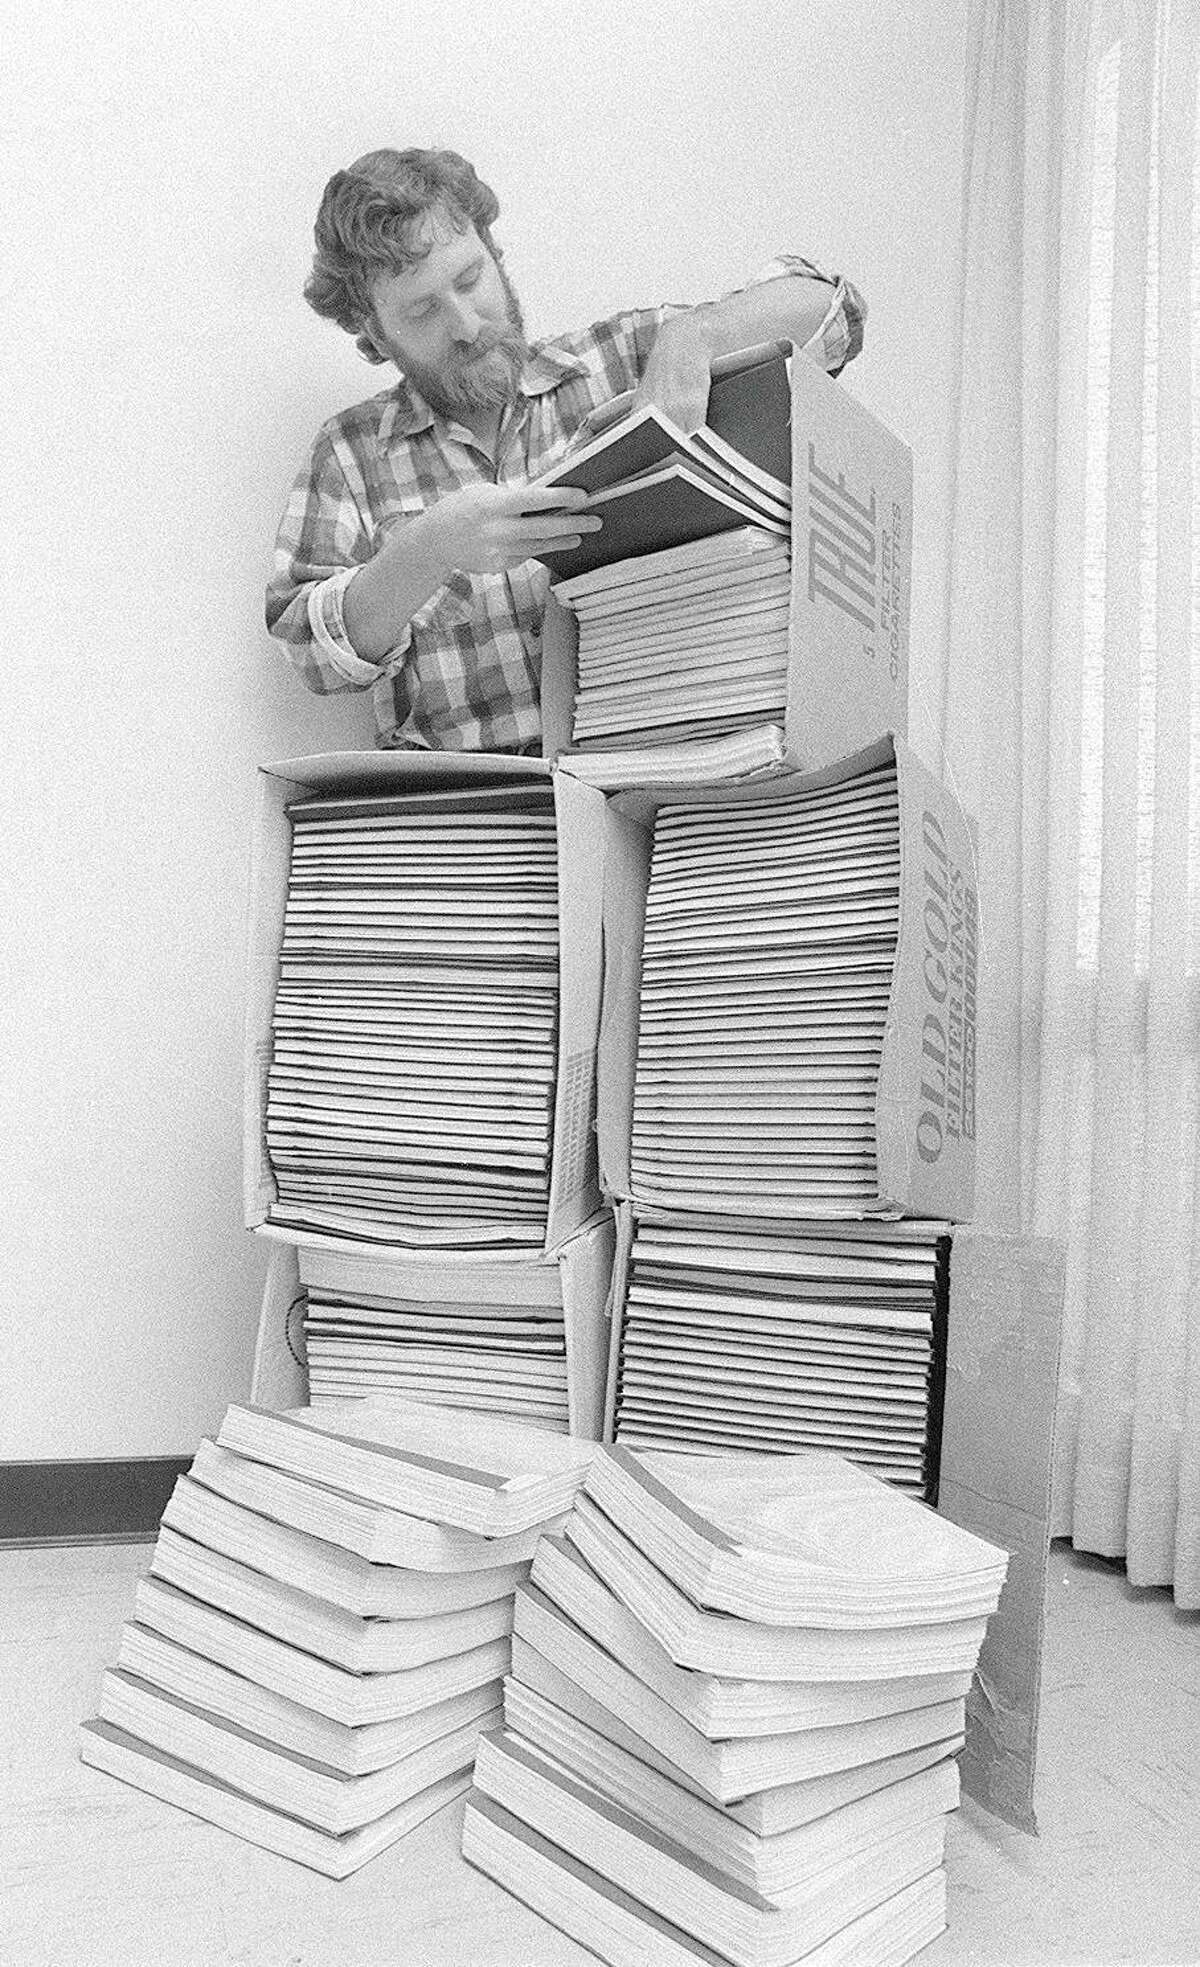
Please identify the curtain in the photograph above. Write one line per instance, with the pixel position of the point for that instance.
(1066, 695)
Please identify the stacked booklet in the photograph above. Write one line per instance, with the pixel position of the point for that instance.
(824, 1336)
(755, 752)
(502, 1358)
(411, 1086)
(327, 1620)
(686, 644)
(737, 1691)
(770, 942)
(656, 486)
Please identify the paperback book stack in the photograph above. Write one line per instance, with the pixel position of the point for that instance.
(737, 1692)
(769, 949)
(826, 1336)
(507, 1359)
(411, 1087)
(326, 1622)
(682, 645)
(682, 598)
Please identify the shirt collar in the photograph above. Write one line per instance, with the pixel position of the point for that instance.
(406, 412)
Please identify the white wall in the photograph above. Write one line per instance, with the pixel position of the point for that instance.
(161, 168)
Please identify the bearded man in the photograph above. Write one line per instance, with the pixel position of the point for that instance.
(406, 557)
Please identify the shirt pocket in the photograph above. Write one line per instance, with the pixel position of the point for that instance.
(461, 596)
(395, 509)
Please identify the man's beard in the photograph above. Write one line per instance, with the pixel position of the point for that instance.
(484, 376)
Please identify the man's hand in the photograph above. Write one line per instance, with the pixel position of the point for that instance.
(678, 372)
(486, 529)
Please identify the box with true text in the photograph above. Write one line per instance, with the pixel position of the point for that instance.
(848, 627)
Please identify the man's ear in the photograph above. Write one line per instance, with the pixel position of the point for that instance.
(368, 342)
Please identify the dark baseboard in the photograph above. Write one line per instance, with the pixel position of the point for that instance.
(85, 1502)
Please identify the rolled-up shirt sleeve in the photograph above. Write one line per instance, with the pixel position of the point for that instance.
(839, 337)
(331, 648)
(321, 544)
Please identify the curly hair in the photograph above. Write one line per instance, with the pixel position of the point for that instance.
(367, 223)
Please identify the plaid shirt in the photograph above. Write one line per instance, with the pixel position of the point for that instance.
(464, 674)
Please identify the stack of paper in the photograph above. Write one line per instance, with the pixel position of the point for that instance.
(687, 644)
(737, 1690)
(508, 1359)
(326, 1622)
(411, 1088)
(826, 1336)
(770, 941)
(752, 753)
(656, 486)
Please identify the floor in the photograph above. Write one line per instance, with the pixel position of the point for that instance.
(92, 1874)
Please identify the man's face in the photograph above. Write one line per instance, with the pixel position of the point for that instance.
(452, 322)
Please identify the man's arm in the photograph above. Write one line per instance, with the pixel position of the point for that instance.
(796, 307)
(342, 605)
(484, 529)
(320, 542)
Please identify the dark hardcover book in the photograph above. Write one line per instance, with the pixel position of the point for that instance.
(664, 509)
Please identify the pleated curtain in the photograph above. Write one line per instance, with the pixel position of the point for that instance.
(1067, 685)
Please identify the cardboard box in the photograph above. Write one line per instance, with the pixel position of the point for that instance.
(852, 529)
(576, 1279)
(997, 1452)
(925, 1113)
(626, 1217)
(1006, 1300)
(582, 833)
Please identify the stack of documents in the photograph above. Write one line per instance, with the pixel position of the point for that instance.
(770, 941)
(688, 644)
(657, 486)
(501, 1358)
(326, 1622)
(825, 1336)
(411, 1088)
(737, 1690)
(755, 752)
